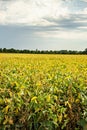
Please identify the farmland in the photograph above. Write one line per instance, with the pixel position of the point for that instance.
(43, 92)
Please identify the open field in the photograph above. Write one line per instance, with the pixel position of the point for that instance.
(43, 92)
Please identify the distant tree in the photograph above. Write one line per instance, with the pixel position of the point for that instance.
(72, 52)
(12, 50)
(1, 50)
(63, 52)
(4, 50)
(86, 51)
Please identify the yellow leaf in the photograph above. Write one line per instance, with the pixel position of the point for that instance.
(65, 115)
(77, 100)
(6, 120)
(79, 95)
(53, 108)
(8, 100)
(6, 109)
(16, 111)
(55, 97)
(48, 98)
(67, 103)
(34, 98)
(10, 93)
(60, 118)
(1, 101)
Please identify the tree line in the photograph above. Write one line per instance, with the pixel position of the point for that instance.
(12, 50)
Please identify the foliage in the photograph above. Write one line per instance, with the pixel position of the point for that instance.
(12, 50)
(43, 92)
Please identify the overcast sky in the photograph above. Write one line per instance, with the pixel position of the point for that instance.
(43, 24)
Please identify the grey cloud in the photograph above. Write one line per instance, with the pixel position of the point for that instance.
(74, 22)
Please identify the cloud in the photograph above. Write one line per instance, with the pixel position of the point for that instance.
(85, 0)
(42, 13)
(67, 35)
(31, 12)
(47, 18)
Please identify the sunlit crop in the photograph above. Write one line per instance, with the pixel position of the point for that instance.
(43, 92)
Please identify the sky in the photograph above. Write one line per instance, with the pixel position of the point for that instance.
(43, 24)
